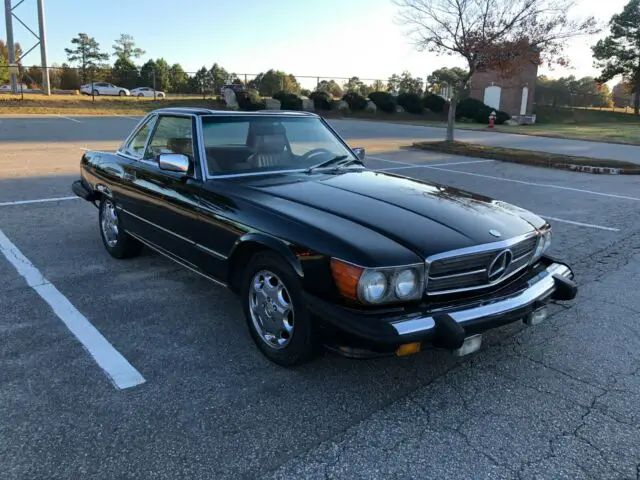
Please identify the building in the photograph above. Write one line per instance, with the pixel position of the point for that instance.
(510, 92)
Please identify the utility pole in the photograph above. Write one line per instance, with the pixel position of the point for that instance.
(10, 45)
(40, 36)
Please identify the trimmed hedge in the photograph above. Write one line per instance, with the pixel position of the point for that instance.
(288, 101)
(250, 101)
(321, 100)
(355, 101)
(384, 101)
(479, 111)
(435, 103)
(411, 102)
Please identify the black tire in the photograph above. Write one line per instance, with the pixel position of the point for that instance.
(95, 93)
(302, 346)
(125, 245)
(140, 95)
(122, 93)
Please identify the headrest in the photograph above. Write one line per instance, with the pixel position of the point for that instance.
(270, 143)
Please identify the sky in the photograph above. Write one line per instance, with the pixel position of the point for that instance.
(328, 38)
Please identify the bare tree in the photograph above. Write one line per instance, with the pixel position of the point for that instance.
(492, 34)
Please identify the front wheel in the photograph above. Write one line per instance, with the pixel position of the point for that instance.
(122, 93)
(276, 315)
(118, 243)
(95, 93)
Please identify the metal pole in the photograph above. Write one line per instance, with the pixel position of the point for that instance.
(10, 44)
(46, 86)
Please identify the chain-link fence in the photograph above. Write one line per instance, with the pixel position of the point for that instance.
(174, 82)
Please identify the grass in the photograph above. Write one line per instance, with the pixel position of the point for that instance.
(578, 123)
(526, 157)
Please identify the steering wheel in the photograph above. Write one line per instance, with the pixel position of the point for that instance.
(314, 152)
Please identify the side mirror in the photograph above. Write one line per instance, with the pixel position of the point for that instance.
(174, 162)
(360, 153)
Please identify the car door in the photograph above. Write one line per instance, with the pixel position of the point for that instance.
(162, 205)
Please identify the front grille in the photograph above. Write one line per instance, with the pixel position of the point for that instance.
(469, 271)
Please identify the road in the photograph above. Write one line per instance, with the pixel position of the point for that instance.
(559, 400)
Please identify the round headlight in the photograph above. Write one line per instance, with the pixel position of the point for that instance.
(373, 286)
(406, 283)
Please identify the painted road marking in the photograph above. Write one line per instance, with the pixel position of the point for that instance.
(117, 368)
(69, 118)
(435, 165)
(522, 182)
(39, 200)
(580, 224)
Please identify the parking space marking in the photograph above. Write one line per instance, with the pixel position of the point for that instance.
(117, 368)
(69, 118)
(580, 224)
(435, 165)
(39, 200)
(503, 179)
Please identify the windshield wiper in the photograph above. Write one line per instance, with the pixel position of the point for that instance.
(326, 163)
(340, 161)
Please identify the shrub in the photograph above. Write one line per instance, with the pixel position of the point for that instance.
(288, 101)
(479, 112)
(250, 101)
(355, 101)
(411, 102)
(305, 92)
(321, 100)
(384, 101)
(435, 103)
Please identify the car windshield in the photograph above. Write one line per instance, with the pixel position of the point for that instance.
(254, 144)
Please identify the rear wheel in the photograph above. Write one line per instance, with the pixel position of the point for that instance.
(118, 243)
(276, 315)
(141, 95)
(122, 93)
(95, 93)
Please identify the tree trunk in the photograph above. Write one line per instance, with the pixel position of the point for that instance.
(636, 100)
(451, 118)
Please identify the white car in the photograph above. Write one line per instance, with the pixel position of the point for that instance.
(20, 86)
(104, 88)
(147, 92)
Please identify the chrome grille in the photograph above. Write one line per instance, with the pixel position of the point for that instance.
(468, 269)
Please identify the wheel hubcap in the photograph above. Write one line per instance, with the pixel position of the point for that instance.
(109, 223)
(271, 309)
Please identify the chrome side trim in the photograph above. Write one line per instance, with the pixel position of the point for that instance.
(180, 261)
(191, 242)
(538, 290)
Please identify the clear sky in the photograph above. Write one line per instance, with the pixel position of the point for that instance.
(330, 38)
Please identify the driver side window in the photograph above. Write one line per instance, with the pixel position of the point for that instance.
(171, 135)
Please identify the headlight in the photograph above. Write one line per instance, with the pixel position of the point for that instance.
(544, 242)
(378, 285)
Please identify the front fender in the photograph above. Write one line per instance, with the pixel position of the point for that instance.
(280, 246)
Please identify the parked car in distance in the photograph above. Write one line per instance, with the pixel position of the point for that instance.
(104, 88)
(20, 87)
(147, 92)
(321, 250)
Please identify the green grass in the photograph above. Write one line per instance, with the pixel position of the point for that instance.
(526, 157)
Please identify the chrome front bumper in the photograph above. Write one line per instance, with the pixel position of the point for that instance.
(538, 290)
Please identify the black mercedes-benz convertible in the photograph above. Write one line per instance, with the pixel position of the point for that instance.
(322, 250)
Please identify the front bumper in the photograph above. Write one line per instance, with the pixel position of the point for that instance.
(357, 334)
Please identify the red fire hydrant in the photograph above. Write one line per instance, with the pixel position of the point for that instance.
(492, 119)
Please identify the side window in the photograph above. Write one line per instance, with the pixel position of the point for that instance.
(136, 145)
(171, 135)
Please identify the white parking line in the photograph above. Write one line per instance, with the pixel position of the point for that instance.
(69, 118)
(117, 368)
(39, 200)
(502, 179)
(436, 165)
(580, 224)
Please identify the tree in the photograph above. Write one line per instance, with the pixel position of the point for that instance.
(393, 84)
(69, 79)
(273, 81)
(354, 84)
(408, 84)
(86, 54)
(571, 92)
(378, 86)
(619, 53)
(219, 77)
(124, 73)
(4, 51)
(488, 34)
(179, 79)
(330, 86)
(147, 73)
(163, 75)
(125, 48)
(445, 77)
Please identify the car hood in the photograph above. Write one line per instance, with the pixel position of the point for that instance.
(426, 217)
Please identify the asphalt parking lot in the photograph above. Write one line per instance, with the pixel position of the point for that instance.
(559, 400)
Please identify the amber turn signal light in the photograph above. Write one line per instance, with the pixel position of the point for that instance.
(408, 349)
(346, 277)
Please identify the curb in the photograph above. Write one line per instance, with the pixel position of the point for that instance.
(598, 170)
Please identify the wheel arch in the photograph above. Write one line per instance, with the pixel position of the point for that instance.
(250, 244)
